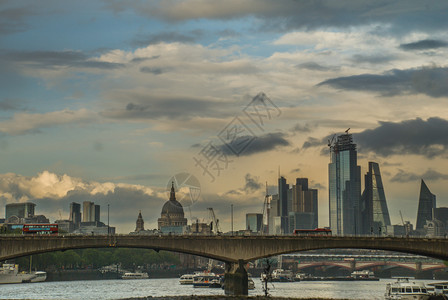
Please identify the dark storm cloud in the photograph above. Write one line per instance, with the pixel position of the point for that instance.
(142, 59)
(260, 144)
(401, 16)
(12, 19)
(10, 104)
(403, 176)
(252, 183)
(50, 59)
(168, 37)
(431, 81)
(428, 138)
(313, 66)
(372, 59)
(155, 71)
(142, 106)
(424, 45)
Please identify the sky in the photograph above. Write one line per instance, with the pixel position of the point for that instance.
(109, 101)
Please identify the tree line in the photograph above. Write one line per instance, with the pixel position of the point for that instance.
(128, 258)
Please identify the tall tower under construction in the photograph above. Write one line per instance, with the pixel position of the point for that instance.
(344, 176)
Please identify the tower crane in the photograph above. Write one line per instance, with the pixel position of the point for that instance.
(215, 221)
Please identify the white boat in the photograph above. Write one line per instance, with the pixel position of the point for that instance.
(137, 275)
(280, 275)
(203, 279)
(186, 279)
(364, 275)
(9, 273)
(403, 289)
(440, 288)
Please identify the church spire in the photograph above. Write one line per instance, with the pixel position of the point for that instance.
(172, 193)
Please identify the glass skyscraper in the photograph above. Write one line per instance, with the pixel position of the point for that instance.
(374, 212)
(426, 204)
(344, 176)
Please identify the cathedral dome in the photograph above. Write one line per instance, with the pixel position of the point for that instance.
(173, 207)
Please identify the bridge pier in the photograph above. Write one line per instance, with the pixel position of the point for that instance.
(235, 279)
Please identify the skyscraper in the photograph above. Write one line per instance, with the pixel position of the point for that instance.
(426, 204)
(283, 203)
(20, 210)
(374, 212)
(75, 214)
(344, 176)
(304, 212)
(88, 211)
(254, 222)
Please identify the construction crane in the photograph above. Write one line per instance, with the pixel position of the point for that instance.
(215, 222)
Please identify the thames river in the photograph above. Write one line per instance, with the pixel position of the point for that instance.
(118, 289)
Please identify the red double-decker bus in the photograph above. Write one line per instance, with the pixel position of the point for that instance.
(313, 232)
(40, 229)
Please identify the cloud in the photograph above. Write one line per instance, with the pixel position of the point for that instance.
(424, 45)
(252, 185)
(263, 143)
(12, 19)
(51, 59)
(372, 59)
(10, 104)
(23, 123)
(426, 80)
(402, 15)
(313, 66)
(53, 193)
(427, 138)
(403, 176)
(141, 106)
(168, 37)
(155, 71)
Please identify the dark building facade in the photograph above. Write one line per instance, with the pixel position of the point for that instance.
(344, 176)
(75, 214)
(283, 188)
(426, 205)
(375, 214)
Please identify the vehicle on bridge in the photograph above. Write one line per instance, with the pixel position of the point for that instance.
(312, 232)
(40, 229)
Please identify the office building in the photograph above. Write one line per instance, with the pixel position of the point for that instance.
(273, 212)
(254, 222)
(88, 211)
(375, 215)
(20, 210)
(75, 214)
(304, 205)
(283, 188)
(426, 204)
(441, 214)
(344, 176)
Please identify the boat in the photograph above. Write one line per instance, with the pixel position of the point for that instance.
(9, 273)
(204, 279)
(364, 275)
(280, 275)
(250, 284)
(404, 289)
(186, 279)
(136, 275)
(440, 288)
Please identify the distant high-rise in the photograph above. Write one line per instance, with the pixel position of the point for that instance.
(426, 204)
(88, 211)
(344, 176)
(304, 212)
(374, 212)
(20, 210)
(254, 222)
(97, 213)
(283, 203)
(75, 214)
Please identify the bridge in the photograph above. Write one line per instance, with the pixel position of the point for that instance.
(236, 251)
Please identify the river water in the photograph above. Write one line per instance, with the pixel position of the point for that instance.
(119, 289)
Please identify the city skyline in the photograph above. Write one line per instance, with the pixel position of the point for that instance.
(105, 101)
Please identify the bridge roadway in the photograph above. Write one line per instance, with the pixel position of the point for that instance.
(234, 250)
